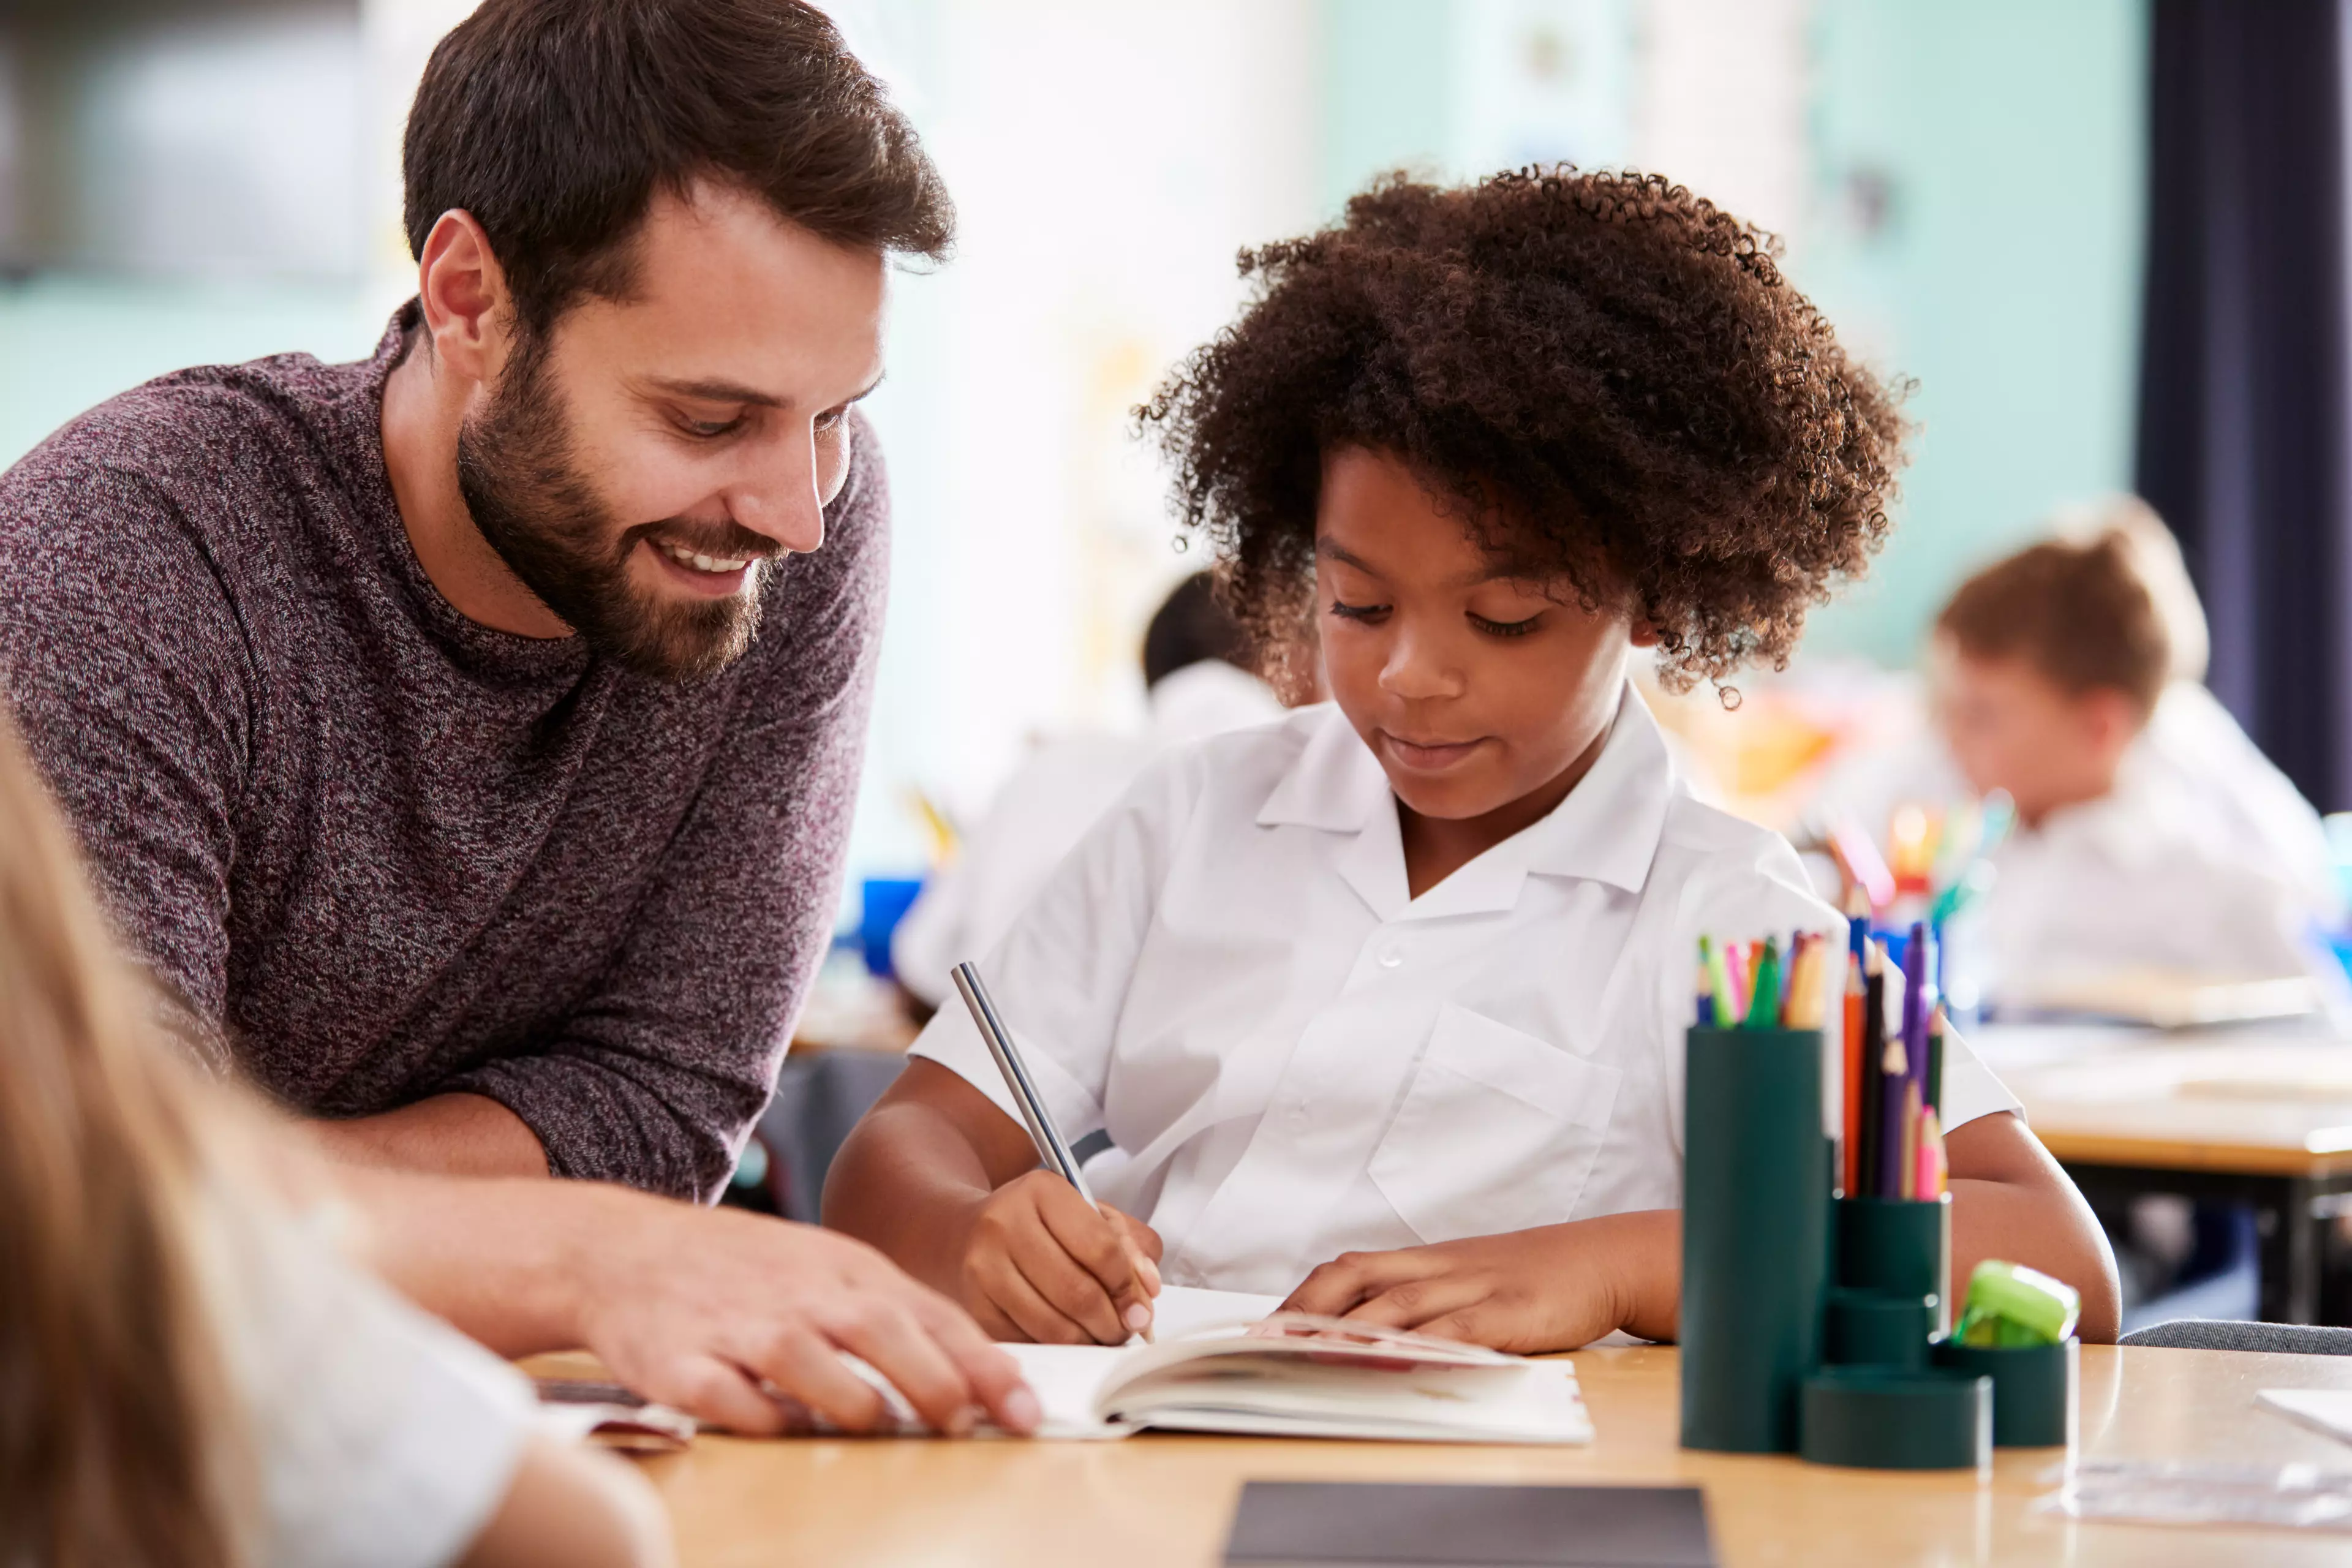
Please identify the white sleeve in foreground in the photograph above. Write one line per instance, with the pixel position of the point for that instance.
(383, 1437)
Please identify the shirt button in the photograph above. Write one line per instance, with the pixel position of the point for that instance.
(1391, 956)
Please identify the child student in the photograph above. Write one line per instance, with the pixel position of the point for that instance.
(1382, 1005)
(2133, 852)
(187, 1375)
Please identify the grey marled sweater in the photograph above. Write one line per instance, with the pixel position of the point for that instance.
(381, 851)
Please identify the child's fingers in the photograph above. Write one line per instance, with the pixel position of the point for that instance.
(1147, 1240)
(1335, 1287)
(1034, 1317)
(1416, 1303)
(1102, 1249)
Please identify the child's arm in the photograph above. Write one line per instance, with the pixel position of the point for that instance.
(949, 1186)
(2011, 1201)
(1563, 1286)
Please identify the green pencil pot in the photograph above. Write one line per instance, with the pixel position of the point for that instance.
(1877, 1327)
(1875, 1418)
(2033, 1389)
(1899, 1246)
(1754, 1234)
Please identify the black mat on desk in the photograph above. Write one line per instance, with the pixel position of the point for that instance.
(1353, 1524)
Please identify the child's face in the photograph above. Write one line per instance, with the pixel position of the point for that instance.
(2010, 727)
(1474, 691)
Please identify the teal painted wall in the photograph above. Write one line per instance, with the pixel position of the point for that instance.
(67, 343)
(1388, 86)
(2006, 139)
(2009, 139)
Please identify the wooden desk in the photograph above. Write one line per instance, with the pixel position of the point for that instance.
(2262, 1116)
(1165, 1501)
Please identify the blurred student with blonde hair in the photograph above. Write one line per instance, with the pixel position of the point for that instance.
(190, 1373)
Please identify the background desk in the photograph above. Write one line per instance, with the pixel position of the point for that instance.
(1165, 1501)
(2258, 1116)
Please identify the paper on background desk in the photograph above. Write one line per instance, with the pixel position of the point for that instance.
(2327, 1411)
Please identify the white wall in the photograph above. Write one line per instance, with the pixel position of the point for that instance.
(1107, 162)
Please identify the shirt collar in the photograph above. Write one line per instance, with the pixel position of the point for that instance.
(1607, 830)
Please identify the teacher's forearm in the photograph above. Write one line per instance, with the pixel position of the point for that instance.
(447, 1135)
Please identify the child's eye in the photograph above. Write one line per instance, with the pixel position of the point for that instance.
(1505, 629)
(1359, 612)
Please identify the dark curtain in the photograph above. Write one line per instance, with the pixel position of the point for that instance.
(2246, 373)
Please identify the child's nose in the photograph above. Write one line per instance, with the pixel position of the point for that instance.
(1416, 671)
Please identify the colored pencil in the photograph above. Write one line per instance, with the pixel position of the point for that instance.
(1894, 1093)
(1932, 1175)
(1874, 1047)
(1764, 1003)
(1851, 1162)
(1918, 998)
(1727, 1009)
(1934, 1095)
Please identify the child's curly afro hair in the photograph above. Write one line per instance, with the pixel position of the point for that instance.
(1609, 379)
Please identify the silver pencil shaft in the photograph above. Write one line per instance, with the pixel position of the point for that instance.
(1051, 1146)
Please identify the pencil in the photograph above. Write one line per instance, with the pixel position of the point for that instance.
(1053, 1149)
(1915, 1038)
(1764, 1004)
(1874, 1046)
(1894, 1096)
(1931, 1180)
(1703, 989)
(1934, 1081)
(1726, 1007)
(1852, 1049)
(1911, 1114)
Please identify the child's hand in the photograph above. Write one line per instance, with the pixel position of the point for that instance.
(1043, 1264)
(1552, 1288)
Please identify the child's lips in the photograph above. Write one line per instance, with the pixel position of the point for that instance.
(1428, 756)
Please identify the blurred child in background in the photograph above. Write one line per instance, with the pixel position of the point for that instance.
(2049, 669)
(2152, 837)
(1198, 683)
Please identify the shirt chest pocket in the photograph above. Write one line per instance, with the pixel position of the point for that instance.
(1497, 1132)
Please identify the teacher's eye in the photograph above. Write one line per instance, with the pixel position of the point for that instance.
(1347, 612)
(711, 429)
(1505, 629)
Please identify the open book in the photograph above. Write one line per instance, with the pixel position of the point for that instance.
(1220, 1363)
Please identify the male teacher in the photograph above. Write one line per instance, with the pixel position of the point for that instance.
(467, 737)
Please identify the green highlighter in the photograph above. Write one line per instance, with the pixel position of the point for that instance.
(2011, 1306)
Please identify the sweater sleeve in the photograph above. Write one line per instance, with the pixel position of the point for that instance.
(658, 1078)
(126, 670)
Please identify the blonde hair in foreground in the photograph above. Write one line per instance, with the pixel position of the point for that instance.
(112, 1396)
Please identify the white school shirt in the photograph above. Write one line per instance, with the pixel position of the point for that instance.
(1294, 1058)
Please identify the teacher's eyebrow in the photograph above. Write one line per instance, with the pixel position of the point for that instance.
(715, 390)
